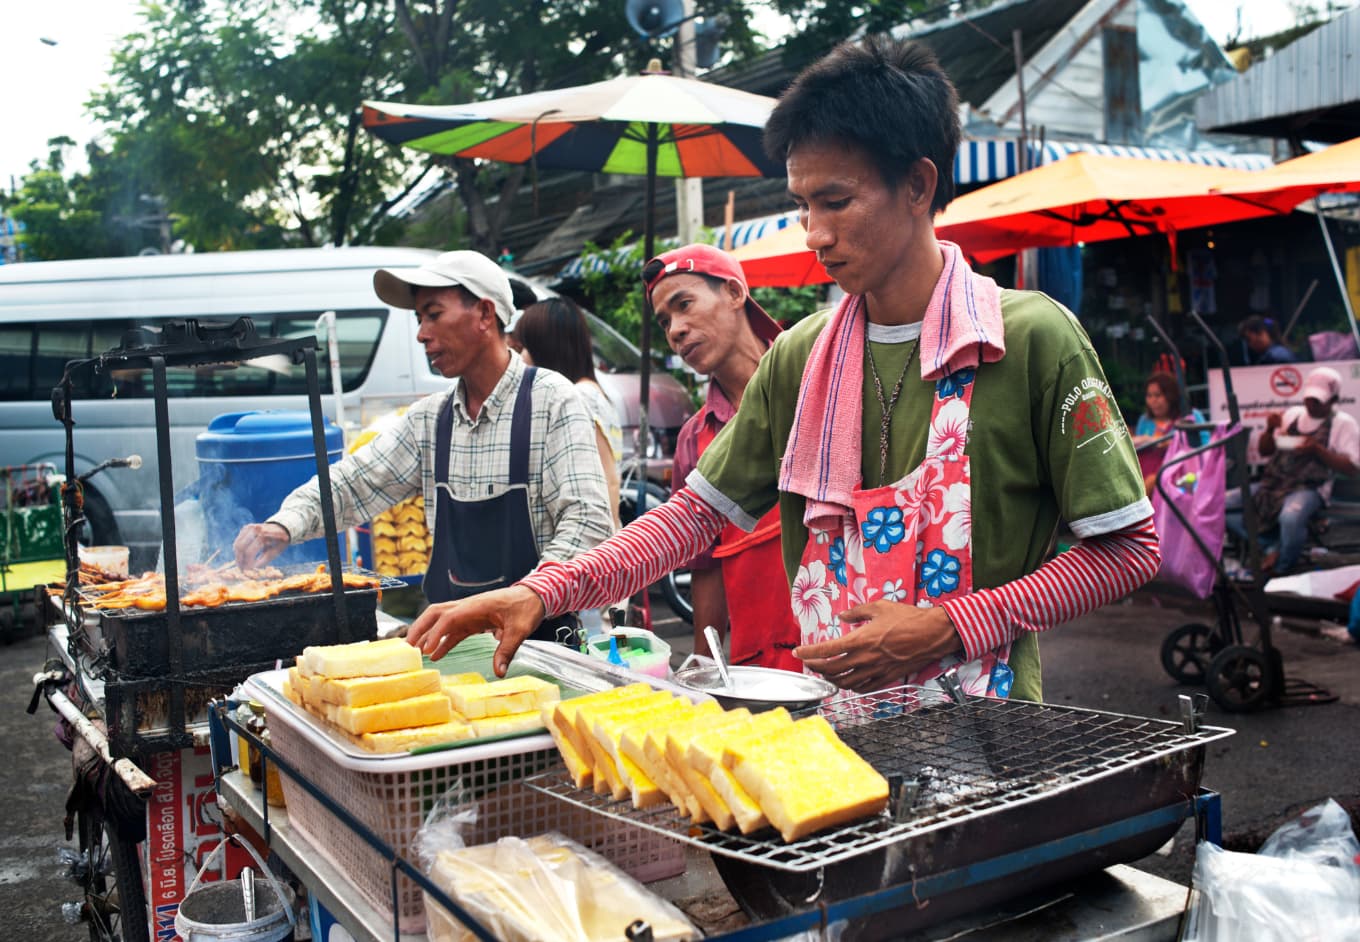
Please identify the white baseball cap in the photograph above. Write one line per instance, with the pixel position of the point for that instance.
(473, 270)
(1323, 384)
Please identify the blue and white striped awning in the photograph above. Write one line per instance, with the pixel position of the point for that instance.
(977, 161)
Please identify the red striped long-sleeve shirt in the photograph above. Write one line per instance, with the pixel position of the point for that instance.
(1093, 573)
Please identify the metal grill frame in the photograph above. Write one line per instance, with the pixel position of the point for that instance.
(1094, 745)
(89, 597)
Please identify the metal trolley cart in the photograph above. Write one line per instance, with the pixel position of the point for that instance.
(1240, 677)
(133, 687)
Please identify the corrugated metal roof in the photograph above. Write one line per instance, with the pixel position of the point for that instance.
(1309, 90)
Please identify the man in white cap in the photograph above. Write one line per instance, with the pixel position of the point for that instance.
(505, 460)
(1315, 442)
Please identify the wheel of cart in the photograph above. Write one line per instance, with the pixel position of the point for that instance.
(1240, 677)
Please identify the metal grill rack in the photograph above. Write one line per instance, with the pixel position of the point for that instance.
(91, 595)
(947, 763)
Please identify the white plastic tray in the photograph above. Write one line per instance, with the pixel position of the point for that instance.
(574, 672)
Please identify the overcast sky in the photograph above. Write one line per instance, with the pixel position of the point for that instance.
(47, 85)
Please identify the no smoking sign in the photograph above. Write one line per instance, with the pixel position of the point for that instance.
(1286, 381)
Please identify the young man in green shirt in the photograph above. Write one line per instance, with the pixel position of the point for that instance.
(921, 442)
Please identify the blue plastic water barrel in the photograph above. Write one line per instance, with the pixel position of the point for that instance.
(248, 462)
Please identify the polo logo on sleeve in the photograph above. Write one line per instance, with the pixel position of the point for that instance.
(1087, 409)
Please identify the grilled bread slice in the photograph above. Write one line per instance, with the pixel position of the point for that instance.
(366, 691)
(805, 779)
(705, 758)
(425, 710)
(504, 725)
(561, 722)
(503, 697)
(605, 777)
(700, 799)
(360, 659)
(403, 740)
(633, 746)
(608, 731)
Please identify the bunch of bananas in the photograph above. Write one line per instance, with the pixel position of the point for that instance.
(401, 542)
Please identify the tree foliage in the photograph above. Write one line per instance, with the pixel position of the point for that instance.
(243, 118)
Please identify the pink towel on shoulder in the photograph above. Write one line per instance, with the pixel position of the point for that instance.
(962, 328)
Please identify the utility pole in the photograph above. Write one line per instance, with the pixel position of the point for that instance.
(689, 191)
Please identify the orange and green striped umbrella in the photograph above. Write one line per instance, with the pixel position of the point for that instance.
(695, 129)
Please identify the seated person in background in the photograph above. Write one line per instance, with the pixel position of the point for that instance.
(1163, 401)
(1262, 337)
(1317, 442)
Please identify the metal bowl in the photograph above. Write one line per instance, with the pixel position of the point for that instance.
(757, 688)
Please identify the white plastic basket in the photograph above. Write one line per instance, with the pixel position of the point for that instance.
(391, 796)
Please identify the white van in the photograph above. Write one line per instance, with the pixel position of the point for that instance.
(52, 312)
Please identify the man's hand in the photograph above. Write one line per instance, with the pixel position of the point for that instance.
(258, 543)
(889, 641)
(1273, 421)
(510, 614)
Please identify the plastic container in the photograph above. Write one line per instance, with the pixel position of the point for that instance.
(111, 559)
(642, 651)
(248, 462)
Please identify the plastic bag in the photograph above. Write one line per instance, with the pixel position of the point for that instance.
(1304, 885)
(1196, 487)
(1331, 345)
(545, 889)
(1322, 834)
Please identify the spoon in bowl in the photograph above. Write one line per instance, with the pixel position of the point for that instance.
(715, 649)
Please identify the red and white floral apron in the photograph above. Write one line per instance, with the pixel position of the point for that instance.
(908, 542)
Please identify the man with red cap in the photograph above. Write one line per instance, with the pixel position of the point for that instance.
(701, 301)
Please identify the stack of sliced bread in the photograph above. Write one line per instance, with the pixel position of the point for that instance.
(731, 768)
(379, 695)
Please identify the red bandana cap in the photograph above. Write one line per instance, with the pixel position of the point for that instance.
(699, 259)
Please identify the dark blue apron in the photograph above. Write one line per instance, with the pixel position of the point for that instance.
(481, 545)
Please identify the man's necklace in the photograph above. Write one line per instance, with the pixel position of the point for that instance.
(885, 420)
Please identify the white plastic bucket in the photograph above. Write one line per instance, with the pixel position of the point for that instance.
(215, 912)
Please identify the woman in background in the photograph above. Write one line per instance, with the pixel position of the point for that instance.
(1162, 399)
(553, 334)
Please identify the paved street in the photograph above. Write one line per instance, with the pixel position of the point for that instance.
(1279, 761)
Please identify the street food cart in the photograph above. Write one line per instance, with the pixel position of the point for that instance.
(133, 679)
(991, 800)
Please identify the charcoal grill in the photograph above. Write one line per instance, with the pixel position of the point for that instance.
(974, 782)
(168, 662)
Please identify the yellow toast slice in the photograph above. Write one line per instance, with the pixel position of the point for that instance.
(561, 722)
(633, 745)
(404, 740)
(462, 680)
(605, 776)
(700, 798)
(705, 758)
(578, 766)
(529, 721)
(608, 730)
(503, 697)
(425, 710)
(805, 779)
(366, 691)
(360, 659)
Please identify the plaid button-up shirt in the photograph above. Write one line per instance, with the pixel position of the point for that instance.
(568, 502)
